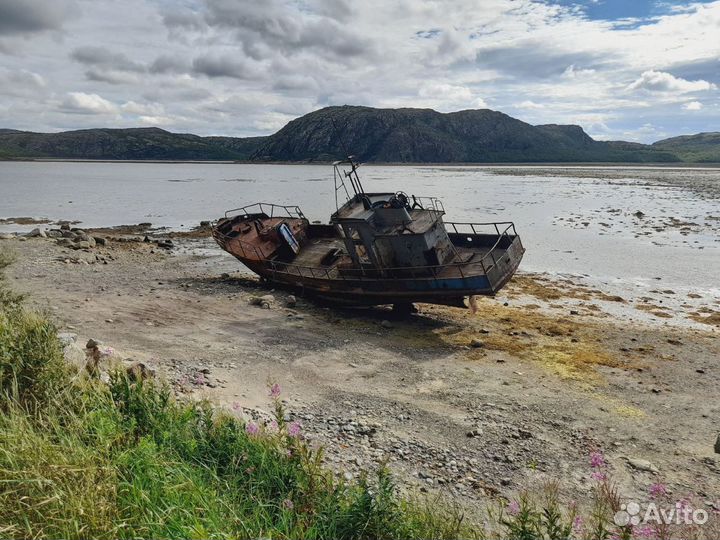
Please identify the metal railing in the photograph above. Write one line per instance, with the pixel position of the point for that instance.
(275, 210)
(487, 262)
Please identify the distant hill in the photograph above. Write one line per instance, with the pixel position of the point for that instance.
(703, 147)
(373, 135)
(133, 143)
(427, 136)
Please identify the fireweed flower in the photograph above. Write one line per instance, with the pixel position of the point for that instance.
(597, 475)
(275, 390)
(513, 508)
(646, 531)
(578, 525)
(236, 406)
(294, 429)
(287, 504)
(597, 460)
(251, 428)
(657, 490)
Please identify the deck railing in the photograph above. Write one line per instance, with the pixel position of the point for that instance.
(275, 210)
(503, 230)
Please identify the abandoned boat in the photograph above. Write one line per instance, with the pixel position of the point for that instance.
(379, 248)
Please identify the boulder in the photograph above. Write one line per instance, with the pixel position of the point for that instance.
(54, 234)
(75, 355)
(68, 234)
(66, 338)
(64, 242)
(642, 465)
(291, 301)
(37, 232)
(717, 445)
(81, 245)
(137, 371)
(6, 236)
(65, 227)
(99, 240)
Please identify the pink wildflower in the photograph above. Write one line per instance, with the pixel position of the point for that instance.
(597, 460)
(236, 406)
(577, 525)
(251, 428)
(657, 490)
(646, 531)
(273, 426)
(287, 504)
(275, 390)
(513, 508)
(294, 429)
(597, 475)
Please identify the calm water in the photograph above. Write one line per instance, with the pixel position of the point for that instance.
(569, 225)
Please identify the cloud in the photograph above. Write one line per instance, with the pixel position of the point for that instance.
(660, 81)
(28, 16)
(101, 56)
(224, 66)
(243, 68)
(169, 64)
(528, 104)
(693, 106)
(82, 103)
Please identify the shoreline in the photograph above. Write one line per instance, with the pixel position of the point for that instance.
(409, 392)
(501, 164)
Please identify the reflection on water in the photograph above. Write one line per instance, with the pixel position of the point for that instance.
(583, 225)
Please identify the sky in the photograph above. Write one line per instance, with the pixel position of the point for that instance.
(636, 70)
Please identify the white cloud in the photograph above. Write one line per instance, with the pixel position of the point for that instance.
(529, 104)
(82, 103)
(693, 106)
(660, 81)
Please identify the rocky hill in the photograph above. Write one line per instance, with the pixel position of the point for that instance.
(373, 135)
(700, 148)
(129, 144)
(427, 136)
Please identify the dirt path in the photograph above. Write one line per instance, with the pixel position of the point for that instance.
(558, 372)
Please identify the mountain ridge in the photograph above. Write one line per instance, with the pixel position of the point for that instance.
(404, 135)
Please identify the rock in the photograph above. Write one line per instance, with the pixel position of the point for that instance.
(574, 312)
(64, 241)
(137, 371)
(717, 445)
(166, 244)
(64, 226)
(642, 465)
(92, 343)
(476, 432)
(68, 234)
(639, 214)
(205, 223)
(476, 343)
(37, 232)
(54, 234)
(99, 240)
(386, 324)
(66, 338)
(6, 236)
(291, 301)
(75, 355)
(80, 245)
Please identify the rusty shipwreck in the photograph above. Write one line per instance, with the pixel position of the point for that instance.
(379, 248)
